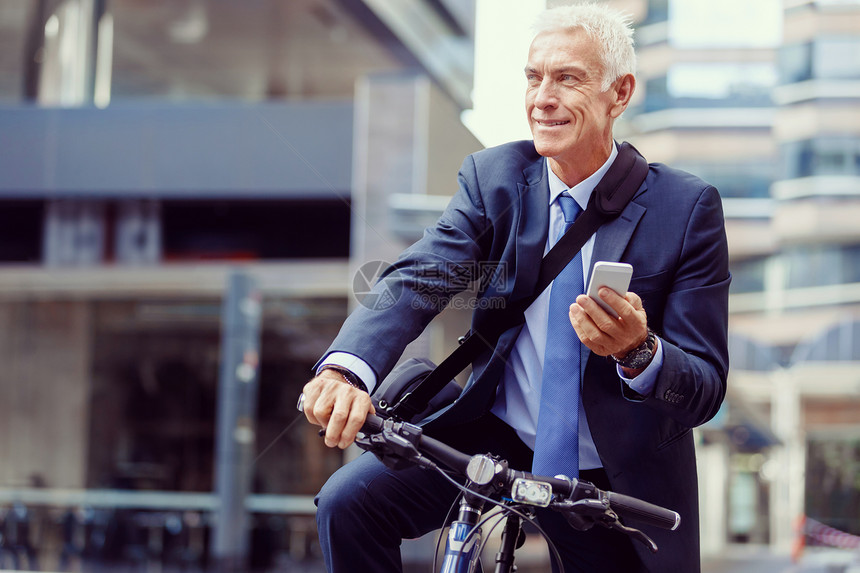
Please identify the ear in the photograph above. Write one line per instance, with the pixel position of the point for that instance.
(622, 90)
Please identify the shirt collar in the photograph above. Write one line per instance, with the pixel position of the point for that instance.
(581, 192)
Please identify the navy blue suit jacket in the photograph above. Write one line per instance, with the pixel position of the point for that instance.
(673, 234)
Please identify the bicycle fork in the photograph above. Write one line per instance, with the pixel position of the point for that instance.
(512, 538)
(462, 551)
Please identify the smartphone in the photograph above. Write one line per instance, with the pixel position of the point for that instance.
(613, 275)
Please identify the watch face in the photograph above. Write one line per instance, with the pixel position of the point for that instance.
(640, 356)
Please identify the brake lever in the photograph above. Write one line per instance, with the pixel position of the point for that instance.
(635, 534)
(584, 513)
(392, 449)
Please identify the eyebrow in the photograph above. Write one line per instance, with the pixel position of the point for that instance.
(562, 70)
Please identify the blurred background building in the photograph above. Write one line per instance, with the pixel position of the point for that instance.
(761, 99)
(192, 191)
(151, 152)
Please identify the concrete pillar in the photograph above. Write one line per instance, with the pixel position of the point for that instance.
(69, 52)
(396, 117)
(235, 439)
(787, 493)
(390, 156)
(385, 160)
(712, 460)
(409, 143)
(45, 352)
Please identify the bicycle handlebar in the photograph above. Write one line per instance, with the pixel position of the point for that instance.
(641, 510)
(440, 451)
(567, 488)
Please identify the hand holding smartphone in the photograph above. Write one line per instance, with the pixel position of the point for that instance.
(613, 275)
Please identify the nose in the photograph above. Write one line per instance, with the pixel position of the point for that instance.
(545, 95)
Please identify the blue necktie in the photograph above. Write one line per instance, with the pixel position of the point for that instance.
(557, 442)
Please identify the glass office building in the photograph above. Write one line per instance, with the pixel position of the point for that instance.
(151, 152)
(761, 99)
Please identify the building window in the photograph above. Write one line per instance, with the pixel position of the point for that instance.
(851, 263)
(748, 275)
(658, 11)
(154, 395)
(21, 231)
(708, 84)
(15, 37)
(811, 266)
(795, 63)
(836, 155)
(251, 51)
(837, 58)
(708, 24)
(255, 229)
(656, 94)
(736, 179)
(833, 463)
(825, 58)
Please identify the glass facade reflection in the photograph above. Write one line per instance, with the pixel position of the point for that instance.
(252, 50)
(15, 36)
(822, 156)
(748, 275)
(736, 179)
(821, 265)
(760, 99)
(711, 85)
(150, 149)
(824, 58)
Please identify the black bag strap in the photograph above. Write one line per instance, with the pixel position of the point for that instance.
(608, 200)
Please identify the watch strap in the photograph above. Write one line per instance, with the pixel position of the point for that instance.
(640, 356)
(350, 378)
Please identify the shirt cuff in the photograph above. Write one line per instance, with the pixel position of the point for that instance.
(354, 364)
(644, 382)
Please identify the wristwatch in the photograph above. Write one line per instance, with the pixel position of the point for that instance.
(641, 356)
(348, 375)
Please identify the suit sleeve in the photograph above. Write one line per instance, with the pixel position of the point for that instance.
(694, 331)
(418, 286)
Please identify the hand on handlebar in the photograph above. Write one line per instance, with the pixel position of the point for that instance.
(331, 402)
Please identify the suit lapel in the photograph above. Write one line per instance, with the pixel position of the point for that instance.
(532, 228)
(613, 237)
(610, 241)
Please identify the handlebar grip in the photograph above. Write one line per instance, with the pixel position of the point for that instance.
(634, 508)
(439, 451)
(372, 424)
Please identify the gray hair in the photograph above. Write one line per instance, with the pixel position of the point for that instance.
(613, 31)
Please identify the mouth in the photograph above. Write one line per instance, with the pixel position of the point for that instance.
(550, 123)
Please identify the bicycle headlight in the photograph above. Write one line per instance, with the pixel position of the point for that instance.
(531, 492)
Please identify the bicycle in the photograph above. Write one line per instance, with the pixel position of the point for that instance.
(491, 481)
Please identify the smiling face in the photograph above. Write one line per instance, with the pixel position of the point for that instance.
(569, 116)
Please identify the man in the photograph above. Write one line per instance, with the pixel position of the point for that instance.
(634, 428)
